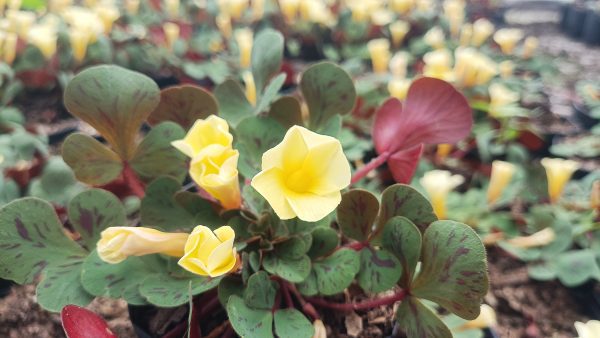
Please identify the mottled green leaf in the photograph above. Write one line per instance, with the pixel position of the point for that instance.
(61, 286)
(256, 135)
(233, 104)
(417, 320)
(293, 270)
(336, 272)
(184, 105)
(379, 270)
(324, 241)
(57, 184)
(230, 285)
(404, 200)
(292, 323)
(260, 291)
(270, 93)
(575, 267)
(267, 56)
(169, 291)
(92, 162)
(287, 111)
(356, 214)
(402, 238)
(249, 322)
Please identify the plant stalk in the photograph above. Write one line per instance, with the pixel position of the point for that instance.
(367, 168)
(133, 181)
(365, 305)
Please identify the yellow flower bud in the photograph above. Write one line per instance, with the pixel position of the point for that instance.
(9, 52)
(529, 46)
(398, 31)
(443, 150)
(466, 33)
(437, 184)
(500, 97)
(398, 64)
(79, 41)
(435, 38)
(402, 6)
(506, 69)
(209, 253)
(223, 21)
(20, 22)
(44, 38)
(108, 14)
(507, 39)
(289, 9)
(591, 329)
(486, 318)
(171, 31)
(438, 64)
(302, 176)
(132, 6)
(204, 133)
(118, 243)
(454, 10)
(258, 9)
(172, 7)
(244, 37)
(250, 87)
(380, 55)
(473, 68)
(482, 30)
(502, 172)
(540, 238)
(558, 172)
(398, 87)
(215, 170)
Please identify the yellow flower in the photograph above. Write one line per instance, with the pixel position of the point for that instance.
(320, 330)
(44, 38)
(558, 172)
(482, 29)
(172, 7)
(529, 46)
(443, 150)
(209, 253)
(79, 42)
(215, 170)
(500, 97)
(398, 87)
(132, 6)
(118, 243)
(258, 9)
(289, 9)
(398, 64)
(486, 318)
(438, 183)
(398, 31)
(473, 68)
(9, 50)
(233, 8)
(223, 21)
(250, 87)
(540, 238)
(466, 34)
(506, 69)
(502, 172)
(435, 38)
(243, 38)
(594, 195)
(20, 22)
(108, 14)
(303, 175)
(507, 39)
(438, 64)
(402, 6)
(591, 329)
(380, 54)
(454, 10)
(213, 131)
(171, 34)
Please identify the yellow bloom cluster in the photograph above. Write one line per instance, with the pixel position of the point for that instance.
(214, 163)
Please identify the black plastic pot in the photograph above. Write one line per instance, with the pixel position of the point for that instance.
(591, 28)
(575, 19)
(582, 117)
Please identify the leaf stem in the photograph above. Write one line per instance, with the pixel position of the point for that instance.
(364, 305)
(133, 181)
(367, 168)
(307, 307)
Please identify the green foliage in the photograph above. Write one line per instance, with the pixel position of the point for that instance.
(184, 105)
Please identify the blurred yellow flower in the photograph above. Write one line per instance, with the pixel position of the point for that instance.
(506, 69)
(482, 30)
(215, 171)
(44, 38)
(171, 31)
(250, 86)
(79, 42)
(486, 318)
(454, 10)
(108, 14)
(204, 134)
(529, 46)
(500, 97)
(244, 39)
(502, 173)
(258, 9)
(435, 38)
(473, 68)
(118, 243)
(443, 150)
(289, 9)
(398, 87)
(594, 195)
(398, 31)
(398, 64)
(233, 8)
(507, 39)
(438, 183)
(540, 238)
(20, 22)
(558, 172)
(591, 329)
(9, 50)
(223, 22)
(209, 253)
(172, 8)
(302, 176)
(402, 6)
(438, 64)
(320, 330)
(466, 34)
(379, 49)
(132, 6)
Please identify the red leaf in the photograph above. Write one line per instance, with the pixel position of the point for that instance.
(403, 163)
(82, 323)
(434, 112)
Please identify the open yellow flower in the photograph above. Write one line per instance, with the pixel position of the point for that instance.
(379, 49)
(215, 171)
(398, 31)
(473, 68)
(502, 172)
(507, 39)
(591, 329)
(438, 183)
(209, 253)
(558, 172)
(118, 243)
(211, 131)
(303, 175)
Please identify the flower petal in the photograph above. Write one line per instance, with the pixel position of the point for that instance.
(270, 185)
(311, 207)
(328, 166)
(289, 154)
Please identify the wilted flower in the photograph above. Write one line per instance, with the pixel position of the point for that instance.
(507, 39)
(243, 38)
(302, 176)
(435, 38)
(380, 54)
(118, 243)
(398, 31)
(558, 172)
(209, 253)
(438, 183)
(482, 30)
(540, 238)
(591, 329)
(502, 172)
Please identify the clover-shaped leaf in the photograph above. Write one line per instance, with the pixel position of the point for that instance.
(402, 238)
(255, 135)
(292, 323)
(233, 104)
(184, 105)
(267, 56)
(403, 200)
(379, 270)
(92, 162)
(417, 320)
(260, 292)
(166, 290)
(332, 274)
(292, 269)
(249, 322)
(356, 214)
(287, 111)
(324, 241)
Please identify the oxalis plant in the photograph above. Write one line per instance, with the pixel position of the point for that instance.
(270, 229)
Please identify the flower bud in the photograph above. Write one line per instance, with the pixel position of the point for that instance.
(289, 9)
(507, 39)
(506, 69)
(435, 38)
(438, 65)
(250, 87)
(380, 55)
(540, 238)
(438, 184)
(79, 42)
(398, 31)
(244, 37)
(171, 31)
(215, 171)
(223, 21)
(9, 50)
(209, 253)
(558, 172)
(398, 87)
(482, 30)
(466, 34)
(502, 172)
(529, 46)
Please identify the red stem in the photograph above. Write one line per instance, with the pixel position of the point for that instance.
(367, 168)
(357, 246)
(133, 181)
(367, 304)
(286, 294)
(307, 307)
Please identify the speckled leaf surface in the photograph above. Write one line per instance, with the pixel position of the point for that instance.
(184, 105)
(92, 162)
(292, 323)
(256, 135)
(260, 291)
(419, 321)
(379, 270)
(403, 200)
(169, 291)
(267, 56)
(356, 214)
(332, 274)
(287, 111)
(402, 238)
(249, 322)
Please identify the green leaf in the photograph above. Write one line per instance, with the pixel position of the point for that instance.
(32, 238)
(543, 271)
(168, 291)
(379, 270)
(9, 191)
(403, 200)
(419, 321)
(402, 238)
(249, 322)
(94, 210)
(328, 90)
(61, 286)
(356, 214)
(255, 135)
(324, 241)
(115, 101)
(230, 285)
(270, 93)
(454, 269)
(336, 272)
(121, 280)
(575, 267)
(57, 184)
(184, 105)
(331, 127)
(155, 156)
(287, 111)
(293, 270)
(297, 225)
(292, 323)
(169, 208)
(260, 292)
(293, 248)
(233, 104)
(92, 162)
(267, 56)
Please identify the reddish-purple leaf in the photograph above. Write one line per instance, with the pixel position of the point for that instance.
(79, 322)
(403, 163)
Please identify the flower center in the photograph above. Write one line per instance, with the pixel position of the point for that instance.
(298, 181)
